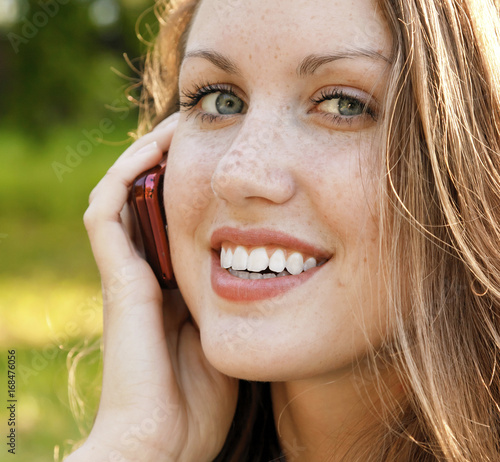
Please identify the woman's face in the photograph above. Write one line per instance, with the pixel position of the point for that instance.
(276, 165)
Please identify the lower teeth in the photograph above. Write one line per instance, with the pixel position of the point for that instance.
(248, 275)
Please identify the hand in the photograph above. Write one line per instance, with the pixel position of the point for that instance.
(161, 400)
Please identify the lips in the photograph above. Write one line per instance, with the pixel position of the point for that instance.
(257, 264)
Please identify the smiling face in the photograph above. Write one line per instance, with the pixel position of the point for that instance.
(272, 184)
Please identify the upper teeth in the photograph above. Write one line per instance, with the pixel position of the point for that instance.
(258, 260)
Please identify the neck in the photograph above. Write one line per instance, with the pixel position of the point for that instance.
(321, 419)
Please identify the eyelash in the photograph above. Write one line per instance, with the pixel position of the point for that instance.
(335, 93)
(195, 96)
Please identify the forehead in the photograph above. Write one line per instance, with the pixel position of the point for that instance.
(289, 28)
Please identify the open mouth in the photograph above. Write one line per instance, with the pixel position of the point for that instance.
(249, 265)
(265, 263)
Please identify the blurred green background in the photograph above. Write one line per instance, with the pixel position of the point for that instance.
(65, 117)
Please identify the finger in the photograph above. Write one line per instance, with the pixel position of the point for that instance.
(173, 117)
(110, 242)
(131, 226)
(110, 195)
(162, 135)
(133, 317)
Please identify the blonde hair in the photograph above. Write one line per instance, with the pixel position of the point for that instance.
(440, 221)
(442, 226)
(160, 96)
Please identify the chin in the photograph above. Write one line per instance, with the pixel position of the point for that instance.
(242, 369)
(259, 358)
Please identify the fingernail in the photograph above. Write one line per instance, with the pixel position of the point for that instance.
(151, 147)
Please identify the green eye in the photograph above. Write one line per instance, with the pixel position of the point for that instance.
(222, 103)
(344, 106)
(350, 107)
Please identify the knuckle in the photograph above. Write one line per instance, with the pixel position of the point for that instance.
(93, 216)
(89, 218)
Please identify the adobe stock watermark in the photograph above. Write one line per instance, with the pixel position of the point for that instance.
(238, 336)
(226, 8)
(138, 433)
(86, 314)
(263, 139)
(85, 147)
(141, 432)
(91, 139)
(30, 27)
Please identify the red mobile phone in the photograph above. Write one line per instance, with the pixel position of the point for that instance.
(147, 202)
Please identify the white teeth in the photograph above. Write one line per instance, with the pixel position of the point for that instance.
(277, 262)
(240, 263)
(240, 259)
(309, 263)
(295, 263)
(226, 258)
(258, 260)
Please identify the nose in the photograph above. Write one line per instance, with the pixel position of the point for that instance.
(256, 165)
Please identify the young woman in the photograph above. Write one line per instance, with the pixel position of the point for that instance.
(332, 193)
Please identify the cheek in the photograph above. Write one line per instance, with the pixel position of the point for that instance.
(343, 192)
(346, 199)
(187, 189)
(187, 194)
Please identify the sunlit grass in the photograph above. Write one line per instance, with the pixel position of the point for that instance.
(41, 312)
(48, 323)
(50, 300)
(44, 421)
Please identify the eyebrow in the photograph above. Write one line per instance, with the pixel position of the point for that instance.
(311, 63)
(217, 59)
(308, 66)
